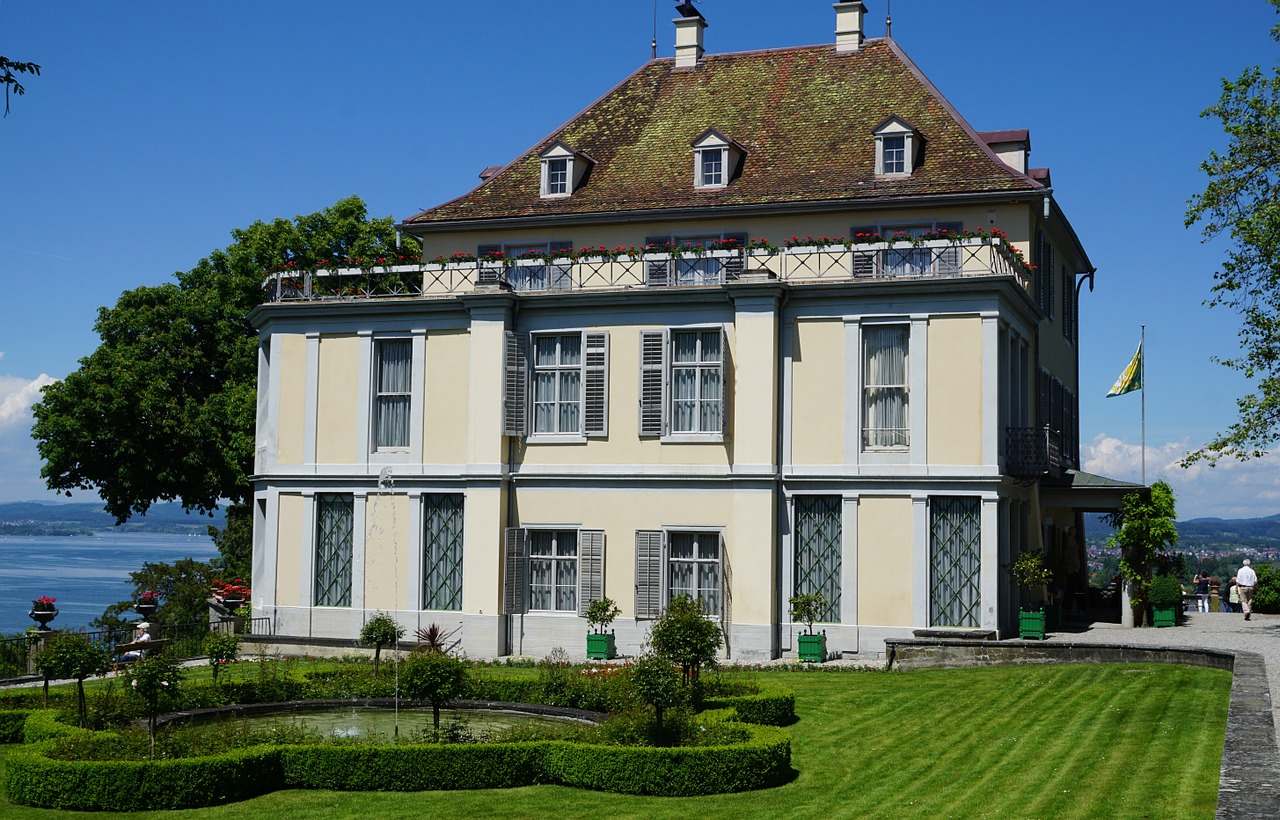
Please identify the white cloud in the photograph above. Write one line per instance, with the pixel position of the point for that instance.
(16, 397)
(1233, 489)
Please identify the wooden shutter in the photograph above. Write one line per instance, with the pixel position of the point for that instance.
(724, 380)
(949, 258)
(1043, 413)
(514, 386)
(595, 384)
(515, 582)
(657, 274)
(1049, 276)
(726, 594)
(491, 274)
(590, 568)
(560, 274)
(1068, 305)
(1042, 261)
(653, 382)
(733, 265)
(648, 573)
(864, 262)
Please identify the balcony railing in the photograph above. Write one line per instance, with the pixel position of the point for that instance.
(1033, 452)
(930, 259)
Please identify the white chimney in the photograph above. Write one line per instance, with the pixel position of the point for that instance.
(689, 39)
(849, 25)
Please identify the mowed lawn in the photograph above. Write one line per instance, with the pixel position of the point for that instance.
(1086, 741)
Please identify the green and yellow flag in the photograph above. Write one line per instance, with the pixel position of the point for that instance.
(1131, 379)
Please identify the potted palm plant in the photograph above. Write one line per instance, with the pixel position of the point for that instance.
(1032, 573)
(807, 608)
(1165, 595)
(601, 645)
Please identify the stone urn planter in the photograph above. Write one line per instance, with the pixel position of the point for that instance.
(42, 617)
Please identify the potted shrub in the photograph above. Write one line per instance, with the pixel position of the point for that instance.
(43, 611)
(1165, 595)
(807, 608)
(602, 646)
(1032, 573)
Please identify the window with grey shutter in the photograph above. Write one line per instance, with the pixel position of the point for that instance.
(653, 375)
(949, 258)
(514, 580)
(590, 568)
(1044, 414)
(864, 261)
(560, 274)
(490, 274)
(726, 591)
(648, 573)
(733, 265)
(724, 381)
(514, 386)
(595, 384)
(657, 274)
(1068, 306)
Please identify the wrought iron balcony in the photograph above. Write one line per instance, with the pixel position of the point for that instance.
(1033, 452)
(852, 262)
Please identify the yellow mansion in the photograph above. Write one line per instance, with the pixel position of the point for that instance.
(751, 325)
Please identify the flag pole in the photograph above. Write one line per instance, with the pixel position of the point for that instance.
(1142, 364)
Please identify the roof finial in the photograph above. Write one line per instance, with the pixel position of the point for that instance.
(888, 19)
(655, 29)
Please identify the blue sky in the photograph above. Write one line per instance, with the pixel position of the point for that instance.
(157, 128)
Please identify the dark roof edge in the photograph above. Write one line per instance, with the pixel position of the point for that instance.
(955, 115)
(558, 129)
(701, 211)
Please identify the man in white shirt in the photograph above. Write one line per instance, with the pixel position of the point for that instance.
(1246, 579)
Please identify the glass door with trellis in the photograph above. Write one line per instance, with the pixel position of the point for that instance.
(955, 545)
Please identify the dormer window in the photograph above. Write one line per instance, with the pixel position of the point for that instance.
(897, 148)
(716, 160)
(563, 170)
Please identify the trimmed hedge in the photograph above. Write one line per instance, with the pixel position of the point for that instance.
(35, 780)
(43, 724)
(11, 725)
(772, 707)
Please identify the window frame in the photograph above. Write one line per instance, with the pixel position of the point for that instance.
(697, 562)
(866, 388)
(344, 505)
(654, 571)
(895, 128)
(706, 156)
(558, 369)
(558, 172)
(378, 396)
(555, 560)
(520, 386)
(698, 367)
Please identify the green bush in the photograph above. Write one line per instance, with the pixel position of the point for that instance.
(1165, 592)
(412, 768)
(773, 707)
(1266, 598)
(43, 724)
(11, 725)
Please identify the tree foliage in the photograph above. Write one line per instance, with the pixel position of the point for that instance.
(436, 677)
(72, 655)
(9, 71)
(164, 408)
(1242, 201)
(183, 587)
(684, 635)
(656, 681)
(379, 631)
(1146, 536)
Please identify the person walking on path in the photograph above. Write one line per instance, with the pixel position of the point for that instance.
(1202, 592)
(1235, 595)
(1246, 579)
(1225, 593)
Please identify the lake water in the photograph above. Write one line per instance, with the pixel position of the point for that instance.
(85, 573)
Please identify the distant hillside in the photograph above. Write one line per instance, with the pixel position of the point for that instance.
(1203, 534)
(78, 518)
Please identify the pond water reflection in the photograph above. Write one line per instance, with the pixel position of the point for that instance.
(364, 721)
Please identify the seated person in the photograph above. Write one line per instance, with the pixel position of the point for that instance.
(144, 636)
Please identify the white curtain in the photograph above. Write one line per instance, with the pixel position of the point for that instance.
(395, 360)
(886, 386)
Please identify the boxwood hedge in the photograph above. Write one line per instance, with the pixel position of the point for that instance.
(11, 725)
(36, 780)
(772, 707)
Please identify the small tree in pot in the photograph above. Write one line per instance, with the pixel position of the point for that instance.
(380, 630)
(1031, 573)
(1165, 595)
(600, 613)
(807, 608)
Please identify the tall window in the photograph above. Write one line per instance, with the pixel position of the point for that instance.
(442, 552)
(394, 383)
(895, 155)
(557, 177)
(557, 384)
(954, 556)
(334, 540)
(711, 162)
(694, 567)
(817, 550)
(697, 388)
(885, 419)
(553, 570)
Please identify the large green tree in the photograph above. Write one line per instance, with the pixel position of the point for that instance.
(1242, 201)
(1146, 534)
(164, 408)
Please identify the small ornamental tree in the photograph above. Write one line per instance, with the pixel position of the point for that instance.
(685, 635)
(656, 682)
(1031, 572)
(154, 681)
(72, 655)
(380, 630)
(1146, 536)
(600, 613)
(436, 677)
(807, 608)
(222, 649)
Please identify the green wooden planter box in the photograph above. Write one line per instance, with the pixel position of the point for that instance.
(602, 646)
(1165, 615)
(813, 648)
(1031, 624)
